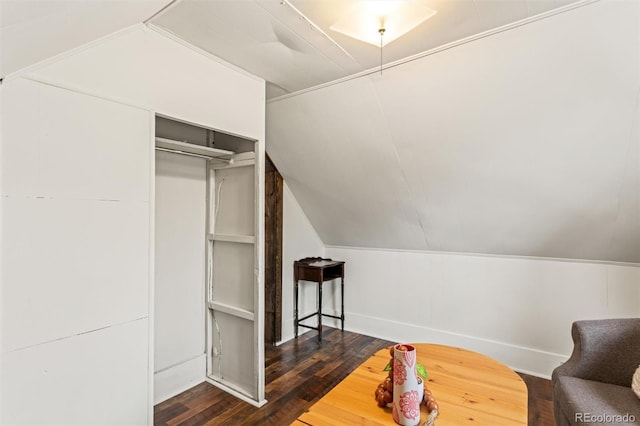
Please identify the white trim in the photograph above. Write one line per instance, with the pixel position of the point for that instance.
(244, 239)
(178, 378)
(170, 5)
(231, 389)
(152, 259)
(527, 360)
(192, 148)
(242, 159)
(312, 24)
(231, 310)
(208, 286)
(258, 265)
(254, 395)
(233, 164)
(84, 91)
(472, 254)
(438, 49)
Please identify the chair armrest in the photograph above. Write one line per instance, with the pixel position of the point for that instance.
(604, 351)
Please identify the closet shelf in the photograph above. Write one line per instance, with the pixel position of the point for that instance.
(185, 147)
(246, 239)
(232, 310)
(241, 159)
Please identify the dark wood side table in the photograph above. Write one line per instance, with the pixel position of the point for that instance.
(319, 270)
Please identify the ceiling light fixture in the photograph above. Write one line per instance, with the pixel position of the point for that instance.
(381, 30)
(367, 20)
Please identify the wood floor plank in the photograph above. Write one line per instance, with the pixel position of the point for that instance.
(298, 373)
(540, 400)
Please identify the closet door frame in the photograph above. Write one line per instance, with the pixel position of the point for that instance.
(240, 160)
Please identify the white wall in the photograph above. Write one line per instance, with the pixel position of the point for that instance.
(521, 143)
(77, 252)
(517, 310)
(299, 240)
(524, 142)
(180, 216)
(144, 68)
(75, 258)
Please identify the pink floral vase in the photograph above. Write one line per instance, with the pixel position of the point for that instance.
(407, 388)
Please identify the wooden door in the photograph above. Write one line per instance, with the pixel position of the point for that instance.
(273, 253)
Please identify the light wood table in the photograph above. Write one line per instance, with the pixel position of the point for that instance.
(470, 388)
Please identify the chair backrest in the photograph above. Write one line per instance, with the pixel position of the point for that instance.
(608, 350)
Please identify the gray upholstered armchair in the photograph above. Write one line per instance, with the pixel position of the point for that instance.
(594, 385)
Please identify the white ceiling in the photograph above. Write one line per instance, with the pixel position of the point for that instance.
(274, 40)
(34, 30)
(523, 142)
(288, 43)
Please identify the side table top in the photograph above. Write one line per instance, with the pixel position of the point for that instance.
(470, 388)
(317, 262)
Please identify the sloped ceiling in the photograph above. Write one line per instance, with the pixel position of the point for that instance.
(524, 143)
(34, 30)
(290, 44)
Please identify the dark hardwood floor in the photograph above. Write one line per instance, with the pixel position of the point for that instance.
(540, 402)
(298, 373)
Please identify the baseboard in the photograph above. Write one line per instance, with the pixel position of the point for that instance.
(178, 378)
(526, 360)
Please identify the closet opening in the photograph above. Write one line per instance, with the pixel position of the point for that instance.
(207, 323)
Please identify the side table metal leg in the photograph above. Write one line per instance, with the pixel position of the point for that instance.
(320, 312)
(295, 310)
(342, 302)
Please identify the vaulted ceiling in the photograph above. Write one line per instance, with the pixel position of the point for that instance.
(497, 126)
(35, 30)
(524, 143)
(291, 45)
